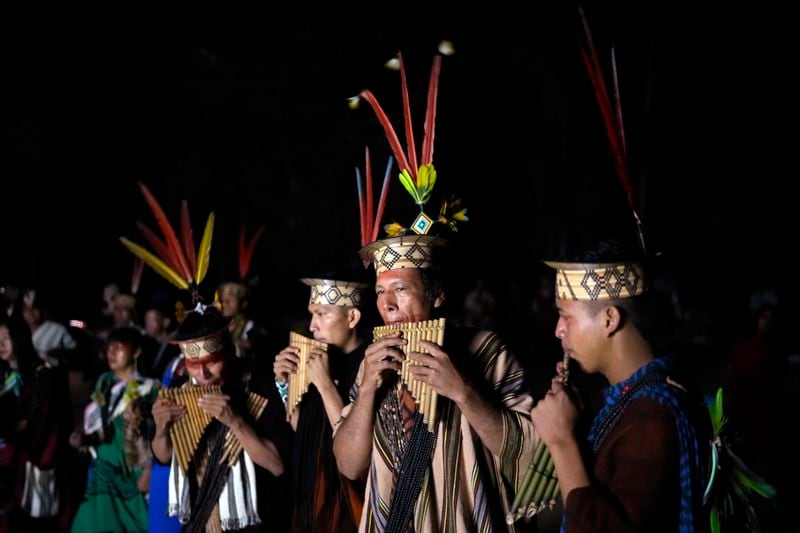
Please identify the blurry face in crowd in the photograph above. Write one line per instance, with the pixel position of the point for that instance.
(231, 304)
(109, 292)
(32, 316)
(155, 323)
(122, 316)
(205, 361)
(121, 356)
(400, 297)
(6, 346)
(332, 323)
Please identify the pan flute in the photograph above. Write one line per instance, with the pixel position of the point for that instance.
(428, 330)
(299, 380)
(539, 488)
(187, 431)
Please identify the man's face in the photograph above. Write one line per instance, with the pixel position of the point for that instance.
(330, 323)
(231, 305)
(580, 328)
(120, 355)
(205, 361)
(31, 315)
(122, 316)
(154, 323)
(400, 297)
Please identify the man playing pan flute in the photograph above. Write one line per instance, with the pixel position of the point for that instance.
(223, 434)
(455, 477)
(324, 500)
(214, 494)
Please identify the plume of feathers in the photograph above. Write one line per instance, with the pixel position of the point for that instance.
(734, 490)
(174, 260)
(611, 111)
(246, 248)
(416, 172)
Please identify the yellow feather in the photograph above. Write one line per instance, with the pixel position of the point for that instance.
(155, 263)
(394, 229)
(204, 253)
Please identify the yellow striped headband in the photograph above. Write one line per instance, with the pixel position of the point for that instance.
(597, 281)
(335, 292)
(406, 251)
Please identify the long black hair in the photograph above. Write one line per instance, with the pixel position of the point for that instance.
(22, 346)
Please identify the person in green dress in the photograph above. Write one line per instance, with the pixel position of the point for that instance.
(117, 423)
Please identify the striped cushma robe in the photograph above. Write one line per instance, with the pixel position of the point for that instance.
(466, 487)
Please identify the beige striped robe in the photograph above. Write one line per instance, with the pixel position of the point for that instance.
(466, 488)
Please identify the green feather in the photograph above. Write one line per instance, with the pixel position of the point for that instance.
(408, 183)
(714, 520)
(715, 410)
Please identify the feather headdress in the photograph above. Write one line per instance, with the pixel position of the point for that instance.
(417, 173)
(174, 258)
(611, 111)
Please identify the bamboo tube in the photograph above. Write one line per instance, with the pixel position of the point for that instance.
(425, 398)
(299, 380)
(539, 486)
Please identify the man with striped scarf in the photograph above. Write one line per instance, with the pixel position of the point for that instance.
(213, 494)
(645, 463)
(459, 474)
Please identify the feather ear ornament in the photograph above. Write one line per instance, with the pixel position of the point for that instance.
(174, 258)
(417, 172)
(611, 111)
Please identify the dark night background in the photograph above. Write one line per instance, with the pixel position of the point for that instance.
(242, 110)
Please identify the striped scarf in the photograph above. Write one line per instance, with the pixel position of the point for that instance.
(238, 502)
(652, 381)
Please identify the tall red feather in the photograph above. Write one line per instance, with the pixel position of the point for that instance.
(618, 104)
(173, 245)
(391, 135)
(411, 147)
(246, 249)
(158, 245)
(612, 120)
(370, 200)
(612, 117)
(382, 202)
(430, 116)
(242, 253)
(186, 235)
(362, 209)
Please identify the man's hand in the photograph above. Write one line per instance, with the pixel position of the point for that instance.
(165, 412)
(317, 368)
(436, 370)
(381, 358)
(219, 406)
(286, 362)
(555, 415)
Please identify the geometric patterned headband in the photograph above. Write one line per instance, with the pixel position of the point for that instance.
(597, 281)
(406, 251)
(335, 292)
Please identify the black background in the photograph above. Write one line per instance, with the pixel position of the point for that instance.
(242, 110)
